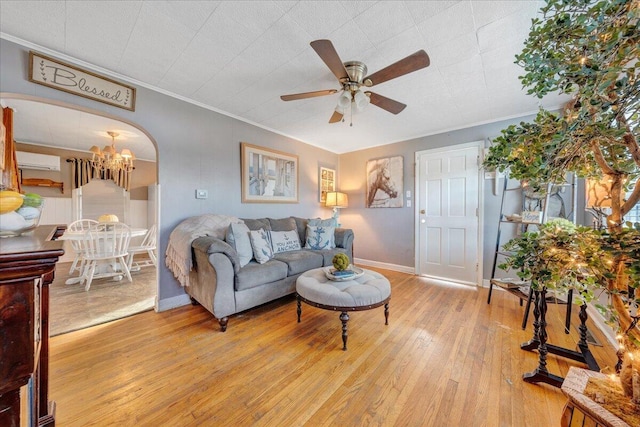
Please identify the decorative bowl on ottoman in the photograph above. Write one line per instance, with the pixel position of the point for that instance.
(19, 213)
(342, 275)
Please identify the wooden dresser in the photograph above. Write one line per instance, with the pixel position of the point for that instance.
(27, 266)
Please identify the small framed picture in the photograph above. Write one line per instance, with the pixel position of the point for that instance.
(326, 183)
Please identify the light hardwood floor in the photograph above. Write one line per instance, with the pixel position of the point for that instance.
(445, 359)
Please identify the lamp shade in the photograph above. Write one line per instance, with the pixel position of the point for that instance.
(335, 199)
(598, 193)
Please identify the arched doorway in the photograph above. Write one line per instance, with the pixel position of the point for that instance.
(65, 130)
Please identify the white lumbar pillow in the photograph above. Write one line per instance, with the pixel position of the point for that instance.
(238, 238)
(284, 241)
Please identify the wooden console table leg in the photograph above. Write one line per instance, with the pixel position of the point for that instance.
(533, 343)
(527, 309)
(299, 309)
(567, 318)
(344, 317)
(541, 374)
(583, 345)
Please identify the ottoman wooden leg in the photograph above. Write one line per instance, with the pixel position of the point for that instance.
(299, 310)
(344, 317)
(386, 314)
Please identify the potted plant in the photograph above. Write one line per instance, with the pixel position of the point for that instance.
(589, 50)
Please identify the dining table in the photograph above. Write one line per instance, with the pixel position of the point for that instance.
(79, 235)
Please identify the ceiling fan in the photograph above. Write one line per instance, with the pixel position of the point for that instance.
(352, 75)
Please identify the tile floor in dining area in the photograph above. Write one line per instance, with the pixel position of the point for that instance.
(73, 308)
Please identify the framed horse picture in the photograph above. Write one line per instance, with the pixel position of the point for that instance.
(385, 183)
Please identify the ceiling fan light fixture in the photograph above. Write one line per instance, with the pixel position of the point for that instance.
(344, 100)
(361, 99)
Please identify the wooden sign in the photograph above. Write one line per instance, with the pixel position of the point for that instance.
(69, 78)
(532, 217)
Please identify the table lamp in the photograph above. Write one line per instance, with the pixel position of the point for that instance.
(337, 201)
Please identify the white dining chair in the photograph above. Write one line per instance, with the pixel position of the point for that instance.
(106, 244)
(148, 245)
(78, 226)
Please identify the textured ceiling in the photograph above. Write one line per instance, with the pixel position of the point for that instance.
(238, 57)
(52, 125)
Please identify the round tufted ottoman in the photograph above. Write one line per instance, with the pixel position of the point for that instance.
(368, 291)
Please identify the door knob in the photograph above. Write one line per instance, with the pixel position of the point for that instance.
(422, 211)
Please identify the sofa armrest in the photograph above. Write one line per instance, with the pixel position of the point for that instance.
(211, 245)
(213, 278)
(344, 239)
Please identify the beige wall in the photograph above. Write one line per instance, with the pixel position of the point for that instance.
(143, 175)
(387, 235)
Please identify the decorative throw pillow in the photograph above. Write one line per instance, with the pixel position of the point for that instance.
(317, 222)
(261, 245)
(320, 237)
(238, 238)
(284, 241)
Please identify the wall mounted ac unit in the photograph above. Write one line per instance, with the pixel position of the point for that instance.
(43, 162)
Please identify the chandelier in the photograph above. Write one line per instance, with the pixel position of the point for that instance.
(108, 159)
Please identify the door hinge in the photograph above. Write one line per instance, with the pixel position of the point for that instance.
(477, 212)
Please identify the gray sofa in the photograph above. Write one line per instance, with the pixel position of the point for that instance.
(222, 286)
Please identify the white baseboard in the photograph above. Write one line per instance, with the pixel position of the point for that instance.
(386, 266)
(173, 302)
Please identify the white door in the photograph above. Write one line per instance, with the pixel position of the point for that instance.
(448, 199)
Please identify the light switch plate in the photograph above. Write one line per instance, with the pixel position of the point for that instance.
(408, 203)
(202, 194)
(408, 194)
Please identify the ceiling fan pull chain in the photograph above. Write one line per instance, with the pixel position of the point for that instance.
(351, 114)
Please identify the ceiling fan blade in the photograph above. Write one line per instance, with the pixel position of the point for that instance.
(326, 51)
(411, 63)
(385, 103)
(305, 95)
(336, 117)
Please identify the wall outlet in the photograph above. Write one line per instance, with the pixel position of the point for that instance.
(202, 194)
(408, 194)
